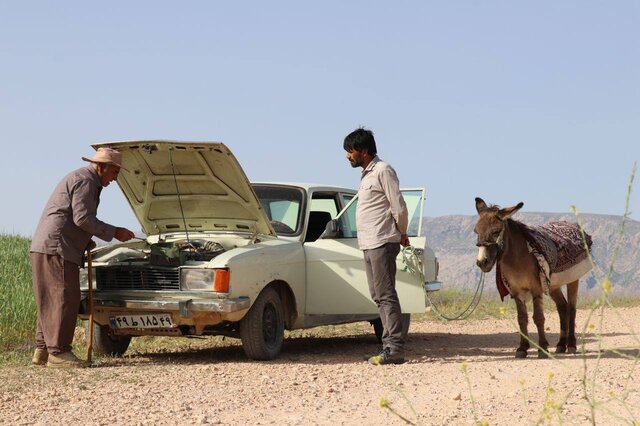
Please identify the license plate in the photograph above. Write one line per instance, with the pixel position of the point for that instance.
(141, 321)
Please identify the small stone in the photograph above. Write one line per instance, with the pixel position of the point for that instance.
(457, 397)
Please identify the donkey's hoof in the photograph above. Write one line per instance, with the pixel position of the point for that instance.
(521, 354)
(542, 354)
(572, 350)
(561, 349)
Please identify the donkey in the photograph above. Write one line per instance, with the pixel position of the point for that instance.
(530, 262)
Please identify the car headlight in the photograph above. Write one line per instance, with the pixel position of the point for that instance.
(197, 279)
(206, 279)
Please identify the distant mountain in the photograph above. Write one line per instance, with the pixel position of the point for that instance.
(453, 240)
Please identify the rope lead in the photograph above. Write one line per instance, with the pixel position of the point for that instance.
(413, 264)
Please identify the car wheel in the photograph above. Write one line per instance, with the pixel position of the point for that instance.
(262, 328)
(378, 329)
(104, 343)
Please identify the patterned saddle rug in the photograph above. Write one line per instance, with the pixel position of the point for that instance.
(557, 246)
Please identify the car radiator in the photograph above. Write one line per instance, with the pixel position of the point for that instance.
(138, 278)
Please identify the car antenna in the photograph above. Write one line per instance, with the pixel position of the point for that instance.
(184, 221)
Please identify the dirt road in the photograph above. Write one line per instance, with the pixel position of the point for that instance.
(323, 380)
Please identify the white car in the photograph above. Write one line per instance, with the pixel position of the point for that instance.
(225, 257)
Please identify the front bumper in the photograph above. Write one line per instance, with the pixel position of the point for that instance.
(184, 307)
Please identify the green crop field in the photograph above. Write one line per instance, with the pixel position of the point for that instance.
(17, 306)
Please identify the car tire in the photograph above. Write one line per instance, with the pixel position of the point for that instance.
(378, 329)
(104, 343)
(262, 328)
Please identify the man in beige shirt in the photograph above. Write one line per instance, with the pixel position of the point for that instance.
(63, 234)
(382, 220)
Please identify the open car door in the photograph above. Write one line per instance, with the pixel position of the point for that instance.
(336, 281)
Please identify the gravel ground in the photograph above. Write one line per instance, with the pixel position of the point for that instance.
(457, 373)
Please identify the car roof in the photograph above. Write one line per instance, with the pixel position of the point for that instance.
(310, 186)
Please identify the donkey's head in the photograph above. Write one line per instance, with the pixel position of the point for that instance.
(490, 229)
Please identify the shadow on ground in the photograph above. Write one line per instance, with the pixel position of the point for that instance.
(421, 348)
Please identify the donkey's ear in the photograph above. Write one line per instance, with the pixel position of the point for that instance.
(480, 205)
(507, 212)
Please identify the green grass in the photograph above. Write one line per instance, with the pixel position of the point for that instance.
(17, 305)
(451, 303)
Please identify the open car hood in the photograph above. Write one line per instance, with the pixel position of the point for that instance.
(188, 186)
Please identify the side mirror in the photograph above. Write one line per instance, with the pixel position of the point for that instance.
(331, 230)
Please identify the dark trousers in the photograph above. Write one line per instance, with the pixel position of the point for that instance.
(380, 264)
(56, 285)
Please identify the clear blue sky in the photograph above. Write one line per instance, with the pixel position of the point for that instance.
(512, 101)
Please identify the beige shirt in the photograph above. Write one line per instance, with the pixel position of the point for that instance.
(69, 219)
(382, 215)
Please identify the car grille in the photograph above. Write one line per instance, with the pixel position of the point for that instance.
(142, 278)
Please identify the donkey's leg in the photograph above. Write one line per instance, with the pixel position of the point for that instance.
(538, 319)
(523, 322)
(563, 311)
(572, 295)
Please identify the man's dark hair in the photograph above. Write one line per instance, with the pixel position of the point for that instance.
(360, 139)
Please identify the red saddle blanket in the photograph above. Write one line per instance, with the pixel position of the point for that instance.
(559, 244)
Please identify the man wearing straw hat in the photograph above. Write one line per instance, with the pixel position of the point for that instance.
(64, 232)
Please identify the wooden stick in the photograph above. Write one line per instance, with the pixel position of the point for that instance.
(90, 279)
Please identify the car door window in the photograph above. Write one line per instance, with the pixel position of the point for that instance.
(346, 198)
(414, 200)
(347, 220)
(412, 197)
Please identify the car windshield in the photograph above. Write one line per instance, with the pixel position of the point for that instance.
(283, 206)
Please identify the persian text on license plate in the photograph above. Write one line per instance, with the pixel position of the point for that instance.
(141, 321)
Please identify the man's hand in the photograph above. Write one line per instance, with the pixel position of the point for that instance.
(123, 234)
(91, 245)
(404, 240)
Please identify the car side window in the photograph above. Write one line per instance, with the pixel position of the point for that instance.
(324, 205)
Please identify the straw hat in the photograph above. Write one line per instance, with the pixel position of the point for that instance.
(107, 156)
